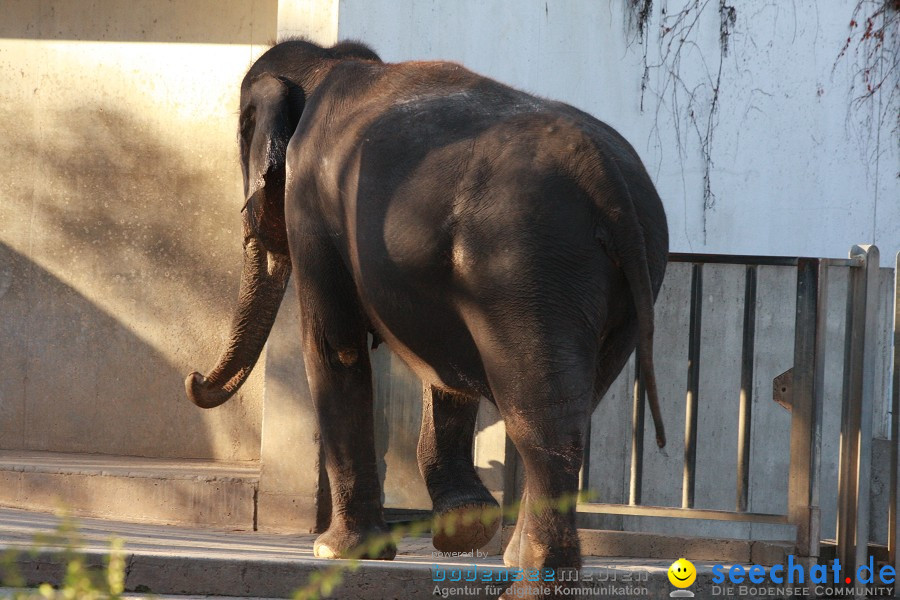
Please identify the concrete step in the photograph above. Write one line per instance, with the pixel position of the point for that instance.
(141, 490)
(186, 560)
(165, 560)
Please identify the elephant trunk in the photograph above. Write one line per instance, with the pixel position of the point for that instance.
(263, 281)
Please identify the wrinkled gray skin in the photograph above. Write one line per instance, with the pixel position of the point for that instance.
(504, 246)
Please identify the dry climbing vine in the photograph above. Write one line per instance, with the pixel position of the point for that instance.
(874, 41)
(698, 102)
(873, 47)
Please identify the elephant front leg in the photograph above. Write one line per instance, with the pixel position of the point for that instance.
(341, 384)
(466, 514)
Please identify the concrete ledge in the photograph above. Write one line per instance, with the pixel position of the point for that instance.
(653, 546)
(143, 490)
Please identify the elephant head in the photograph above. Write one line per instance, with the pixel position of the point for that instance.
(267, 119)
(273, 94)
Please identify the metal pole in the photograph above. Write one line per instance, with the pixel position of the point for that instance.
(746, 400)
(893, 531)
(693, 388)
(637, 438)
(806, 403)
(856, 412)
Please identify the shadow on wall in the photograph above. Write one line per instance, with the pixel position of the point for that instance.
(55, 343)
(123, 279)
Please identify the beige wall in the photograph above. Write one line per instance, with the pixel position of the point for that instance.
(119, 231)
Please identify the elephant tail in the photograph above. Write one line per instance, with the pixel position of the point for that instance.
(621, 233)
(638, 275)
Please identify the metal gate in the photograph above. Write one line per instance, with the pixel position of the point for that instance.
(801, 390)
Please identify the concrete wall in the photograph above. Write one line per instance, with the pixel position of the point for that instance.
(120, 235)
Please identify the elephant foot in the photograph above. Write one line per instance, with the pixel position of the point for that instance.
(530, 553)
(511, 554)
(372, 543)
(521, 552)
(525, 551)
(466, 527)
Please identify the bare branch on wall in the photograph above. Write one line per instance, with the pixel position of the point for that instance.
(693, 103)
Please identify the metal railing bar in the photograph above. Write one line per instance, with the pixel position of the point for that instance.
(847, 463)
(871, 263)
(746, 396)
(680, 513)
(747, 259)
(637, 438)
(806, 403)
(693, 388)
(818, 399)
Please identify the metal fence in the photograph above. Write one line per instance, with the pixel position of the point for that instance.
(801, 390)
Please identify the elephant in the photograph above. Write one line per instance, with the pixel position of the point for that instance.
(505, 246)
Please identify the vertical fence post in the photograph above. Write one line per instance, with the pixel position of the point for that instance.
(893, 530)
(745, 414)
(584, 475)
(856, 411)
(806, 411)
(693, 388)
(636, 473)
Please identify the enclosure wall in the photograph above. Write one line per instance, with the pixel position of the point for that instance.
(120, 244)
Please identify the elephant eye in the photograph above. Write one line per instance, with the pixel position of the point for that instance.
(246, 133)
(246, 127)
(246, 122)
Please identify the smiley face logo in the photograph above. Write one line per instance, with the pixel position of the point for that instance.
(682, 573)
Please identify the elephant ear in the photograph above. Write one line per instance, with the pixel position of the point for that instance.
(268, 120)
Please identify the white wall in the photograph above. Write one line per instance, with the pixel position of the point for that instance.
(794, 172)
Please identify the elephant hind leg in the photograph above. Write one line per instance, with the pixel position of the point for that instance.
(546, 401)
(611, 359)
(343, 399)
(466, 513)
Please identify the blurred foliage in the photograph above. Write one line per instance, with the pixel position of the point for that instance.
(84, 579)
(81, 580)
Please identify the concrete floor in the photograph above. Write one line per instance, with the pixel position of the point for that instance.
(189, 563)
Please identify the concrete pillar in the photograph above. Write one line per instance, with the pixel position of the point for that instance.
(315, 20)
(291, 483)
